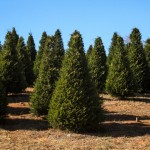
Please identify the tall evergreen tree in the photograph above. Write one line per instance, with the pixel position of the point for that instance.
(31, 53)
(112, 48)
(89, 51)
(75, 102)
(118, 78)
(31, 48)
(0, 46)
(48, 75)
(15, 37)
(39, 54)
(147, 54)
(22, 56)
(97, 64)
(58, 48)
(137, 61)
(12, 68)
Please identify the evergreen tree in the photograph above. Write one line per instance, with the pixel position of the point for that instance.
(75, 103)
(15, 37)
(97, 64)
(11, 65)
(89, 51)
(58, 48)
(137, 62)
(147, 54)
(22, 56)
(0, 46)
(45, 83)
(118, 79)
(31, 54)
(112, 48)
(39, 54)
(3, 101)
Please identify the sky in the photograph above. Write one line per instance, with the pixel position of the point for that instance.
(93, 18)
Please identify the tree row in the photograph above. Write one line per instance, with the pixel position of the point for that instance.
(67, 83)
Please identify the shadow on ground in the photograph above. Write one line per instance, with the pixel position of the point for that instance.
(16, 111)
(114, 116)
(115, 125)
(24, 124)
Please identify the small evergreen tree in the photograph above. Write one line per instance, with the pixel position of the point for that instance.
(147, 54)
(31, 54)
(12, 69)
(40, 54)
(117, 83)
(112, 48)
(97, 64)
(45, 83)
(75, 102)
(137, 62)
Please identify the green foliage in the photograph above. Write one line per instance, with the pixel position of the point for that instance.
(97, 64)
(75, 103)
(58, 48)
(39, 54)
(12, 70)
(3, 102)
(147, 54)
(31, 55)
(112, 48)
(45, 83)
(118, 78)
(137, 62)
(0, 46)
(15, 37)
(22, 58)
(89, 51)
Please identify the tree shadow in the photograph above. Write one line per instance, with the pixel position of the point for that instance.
(139, 99)
(18, 111)
(120, 125)
(114, 116)
(124, 129)
(136, 98)
(24, 124)
(24, 97)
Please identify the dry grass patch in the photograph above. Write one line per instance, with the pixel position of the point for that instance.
(21, 130)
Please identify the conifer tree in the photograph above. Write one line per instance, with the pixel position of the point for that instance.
(45, 82)
(15, 37)
(12, 68)
(89, 51)
(75, 102)
(0, 46)
(31, 53)
(97, 64)
(118, 79)
(58, 48)
(112, 48)
(39, 54)
(22, 57)
(137, 61)
(147, 54)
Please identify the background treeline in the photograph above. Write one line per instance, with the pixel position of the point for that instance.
(67, 82)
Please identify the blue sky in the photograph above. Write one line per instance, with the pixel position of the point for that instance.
(92, 18)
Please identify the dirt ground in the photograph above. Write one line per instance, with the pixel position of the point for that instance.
(126, 127)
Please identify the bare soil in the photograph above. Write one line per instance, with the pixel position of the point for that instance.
(126, 126)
